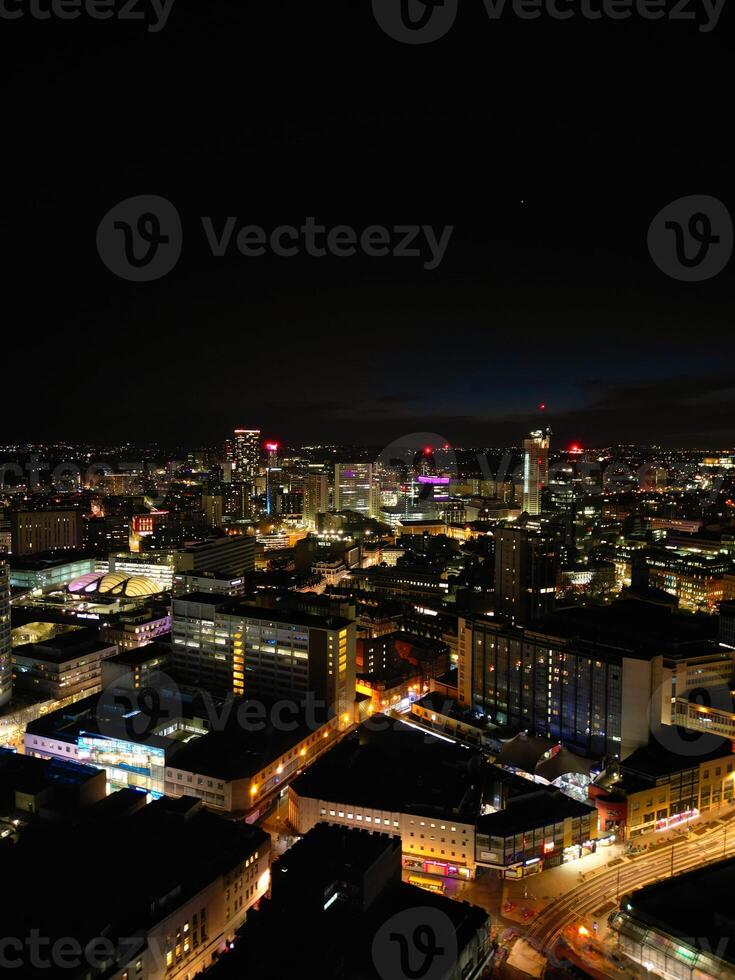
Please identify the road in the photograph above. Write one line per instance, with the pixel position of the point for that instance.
(605, 886)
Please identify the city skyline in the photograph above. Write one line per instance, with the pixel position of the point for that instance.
(367, 490)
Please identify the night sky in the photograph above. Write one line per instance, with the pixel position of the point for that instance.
(548, 145)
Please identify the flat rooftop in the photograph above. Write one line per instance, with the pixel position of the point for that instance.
(142, 655)
(643, 630)
(655, 760)
(532, 810)
(26, 774)
(695, 906)
(237, 753)
(171, 850)
(236, 607)
(326, 852)
(63, 647)
(390, 766)
(44, 561)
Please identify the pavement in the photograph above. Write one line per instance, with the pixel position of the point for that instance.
(564, 910)
(276, 824)
(590, 903)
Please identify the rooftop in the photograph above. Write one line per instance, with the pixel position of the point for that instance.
(642, 630)
(654, 760)
(694, 904)
(237, 753)
(535, 809)
(150, 844)
(26, 774)
(64, 647)
(391, 766)
(46, 560)
(236, 607)
(328, 851)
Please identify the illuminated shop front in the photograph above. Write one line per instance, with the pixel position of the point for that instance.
(576, 851)
(127, 764)
(541, 830)
(444, 869)
(677, 819)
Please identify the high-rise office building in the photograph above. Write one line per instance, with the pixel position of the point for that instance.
(272, 477)
(535, 468)
(33, 532)
(354, 488)
(247, 454)
(231, 555)
(315, 497)
(549, 687)
(237, 502)
(213, 508)
(6, 669)
(229, 646)
(526, 567)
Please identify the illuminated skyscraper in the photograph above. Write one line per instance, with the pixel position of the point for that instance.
(6, 672)
(247, 455)
(316, 498)
(535, 468)
(354, 488)
(272, 472)
(526, 564)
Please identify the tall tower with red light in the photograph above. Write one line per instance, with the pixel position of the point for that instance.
(535, 468)
(271, 449)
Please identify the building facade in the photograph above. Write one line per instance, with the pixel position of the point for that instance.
(46, 574)
(354, 488)
(526, 571)
(662, 797)
(47, 530)
(232, 555)
(315, 498)
(537, 831)
(246, 455)
(535, 468)
(6, 668)
(234, 647)
(443, 847)
(596, 700)
(67, 665)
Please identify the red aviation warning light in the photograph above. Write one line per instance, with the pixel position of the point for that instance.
(575, 449)
(272, 447)
(542, 406)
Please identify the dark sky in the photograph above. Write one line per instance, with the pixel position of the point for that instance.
(548, 145)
